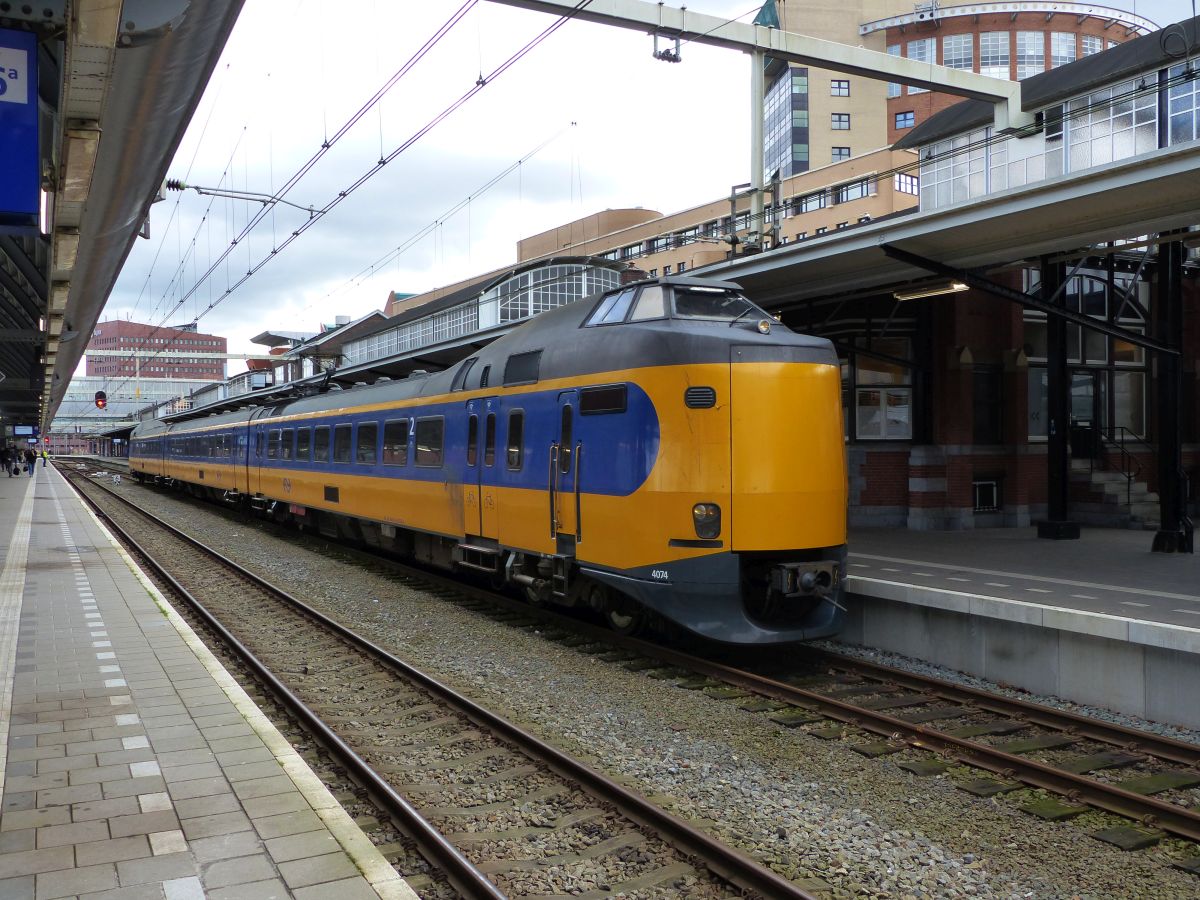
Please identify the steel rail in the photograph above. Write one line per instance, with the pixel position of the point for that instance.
(459, 870)
(1132, 739)
(1146, 810)
(723, 860)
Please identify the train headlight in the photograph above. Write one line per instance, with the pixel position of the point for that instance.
(764, 326)
(707, 517)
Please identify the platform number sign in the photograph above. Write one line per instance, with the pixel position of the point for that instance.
(14, 75)
(20, 184)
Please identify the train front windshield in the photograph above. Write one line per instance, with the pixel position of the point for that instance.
(713, 303)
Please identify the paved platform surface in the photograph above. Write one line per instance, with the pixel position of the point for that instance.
(1107, 571)
(131, 764)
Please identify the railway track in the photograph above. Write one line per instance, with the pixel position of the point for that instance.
(1057, 764)
(497, 810)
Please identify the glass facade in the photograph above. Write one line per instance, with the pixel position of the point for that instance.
(923, 50)
(1062, 48)
(1108, 375)
(994, 54)
(1031, 53)
(958, 51)
(1183, 103)
(519, 297)
(785, 123)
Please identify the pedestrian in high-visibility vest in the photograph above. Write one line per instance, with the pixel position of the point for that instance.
(45, 457)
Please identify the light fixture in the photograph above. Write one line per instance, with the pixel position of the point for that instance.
(932, 290)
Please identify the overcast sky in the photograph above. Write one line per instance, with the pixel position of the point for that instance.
(625, 130)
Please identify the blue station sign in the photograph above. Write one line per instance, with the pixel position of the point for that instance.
(19, 181)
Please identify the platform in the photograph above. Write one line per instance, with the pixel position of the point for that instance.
(1100, 620)
(132, 765)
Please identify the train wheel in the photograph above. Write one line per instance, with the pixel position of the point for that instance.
(624, 615)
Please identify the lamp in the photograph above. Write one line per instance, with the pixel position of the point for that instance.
(932, 290)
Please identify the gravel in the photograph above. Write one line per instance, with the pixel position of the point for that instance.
(812, 809)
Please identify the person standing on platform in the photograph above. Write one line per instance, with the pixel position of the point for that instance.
(6, 460)
(45, 458)
(30, 461)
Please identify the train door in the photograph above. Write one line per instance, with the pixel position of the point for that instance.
(489, 513)
(254, 453)
(471, 472)
(565, 460)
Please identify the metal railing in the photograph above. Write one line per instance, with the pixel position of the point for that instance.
(1129, 467)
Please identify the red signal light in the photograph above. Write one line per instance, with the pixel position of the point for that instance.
(101, 400)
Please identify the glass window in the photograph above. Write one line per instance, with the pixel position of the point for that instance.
(303, 443)
(321, 444)
(651, 303)
(341, 443)
(1031, 53)
(285, 445)
(958, 51)
(907, 184)
(1129, 399)
(893, 89)
(523, 368)
(840, 121)
(922, 50)
(612, 308)
(365, 452)
(395, 442)
(515, 449)
(840, 153)
(905, 119)
(839, 88)
(273, 444)
(472, 440)
(429, 435)
(1062, 48)
(566, 443)
(883, 413)
(609, 398)
(489, 441)
(1092, 45)
(994, 54)
(711, 303)
(1183, 105)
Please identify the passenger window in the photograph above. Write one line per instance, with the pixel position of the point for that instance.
(564, 452)
(321, 444)
(368, 434)
(341, 443)
(285, 448)
(430, 433)
(609, 398)
(273, 444)
(258, 444)
(303, 444)
(489, 441)
(651, 303)
(395, 442)
(472, 440)
(515, 450)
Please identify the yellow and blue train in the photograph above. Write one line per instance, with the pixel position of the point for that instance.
(665, 449)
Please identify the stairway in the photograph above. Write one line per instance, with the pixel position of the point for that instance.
(1098, 497)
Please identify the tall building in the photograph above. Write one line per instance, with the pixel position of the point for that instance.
(155, 351)
(813, 117)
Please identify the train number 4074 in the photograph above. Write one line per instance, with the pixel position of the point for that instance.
(660, 574)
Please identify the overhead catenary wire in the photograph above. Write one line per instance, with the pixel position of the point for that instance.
(320, 212)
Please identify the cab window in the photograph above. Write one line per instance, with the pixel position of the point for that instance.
(651, 303)
(612, 308)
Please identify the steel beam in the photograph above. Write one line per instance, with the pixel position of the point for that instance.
(1052, 310)
(696, 28)
(1058, 402)
(1174, 532)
